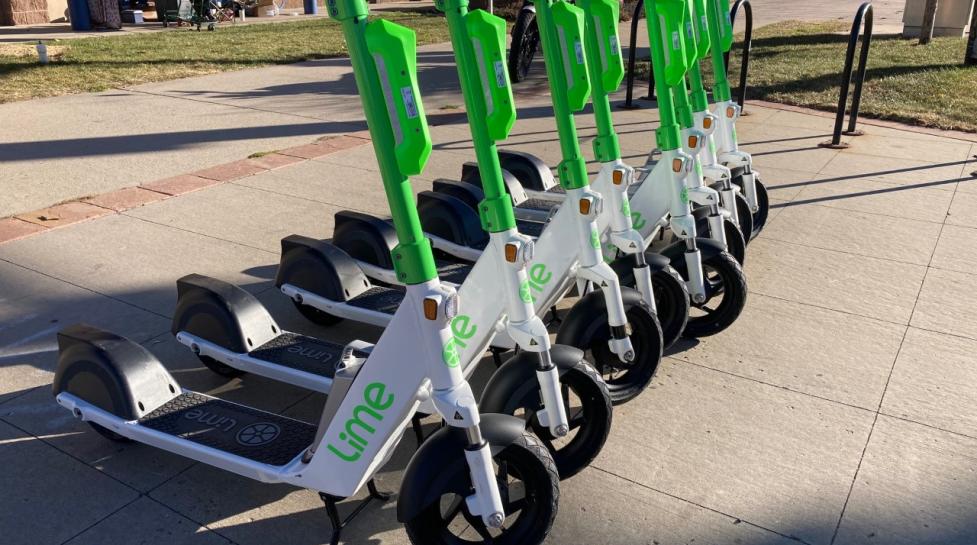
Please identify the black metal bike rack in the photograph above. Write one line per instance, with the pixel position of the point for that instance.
(632, 51)
(747, 47)
(864, 13)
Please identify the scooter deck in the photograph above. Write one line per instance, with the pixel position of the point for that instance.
(380, 299)
(301, 353)
(257, 435)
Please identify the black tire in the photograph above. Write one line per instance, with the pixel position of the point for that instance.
(528, 519)
(725, 280)
(671, 301)
(109, 434)
(525, 44)
(626, 381)
(735, 241)
(763, 205)
(745, 217)
(316, 316)
(590, 423)
(221, 369)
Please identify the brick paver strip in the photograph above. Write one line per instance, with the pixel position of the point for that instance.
(14, 228)
(64, 214)
(125, 199)
(275, 160)
(230, 171)
(178, 185)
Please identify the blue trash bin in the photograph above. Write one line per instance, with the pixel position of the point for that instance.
(81, 19)
(311, 7)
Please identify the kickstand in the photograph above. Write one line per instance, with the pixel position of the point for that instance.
(333, 512)
(496, 356)
(554, 317)
(415, 423)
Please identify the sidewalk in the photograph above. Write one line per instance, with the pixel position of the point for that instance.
(838, 410)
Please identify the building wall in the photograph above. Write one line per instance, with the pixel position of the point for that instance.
(56, 10)
(23, 12)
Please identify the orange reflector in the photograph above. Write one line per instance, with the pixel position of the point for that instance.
(693, 142)
(730, 111)
(618, 177)
(676, 165)
(585, 206)
(511, 250)
(430, 308)
(706, 123)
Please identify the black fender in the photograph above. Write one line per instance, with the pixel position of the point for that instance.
(111, 372)
(518, 373)
(588, 317)
(439, 465)
(675, 252)
(471, 194)
(321, 268)
(531, 171)
(365, 237)
(513, 184)
(222, 313)
(735, 238)
(624, 265)
(450, 218)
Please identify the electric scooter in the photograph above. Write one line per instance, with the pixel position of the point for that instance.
(618, 328)
(484, 467)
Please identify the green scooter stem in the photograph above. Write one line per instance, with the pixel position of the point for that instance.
(700, 99)
(671, 13)
(412, 257)
(495, 211)
(572, 169)
(719, 28)
(607, 147)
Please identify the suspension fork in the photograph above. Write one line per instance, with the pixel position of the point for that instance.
(682, 222)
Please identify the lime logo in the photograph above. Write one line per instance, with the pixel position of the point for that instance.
(626, 207)
(524, 293)
(712, 146)
(734, 134)
(594, 238)
(462, 330)
(450, 355)
(685, 195)
(360, 427)
(698, 168)
(538, 278)
(637, 221)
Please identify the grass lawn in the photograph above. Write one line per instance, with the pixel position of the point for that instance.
(96, 64)
(801, 63)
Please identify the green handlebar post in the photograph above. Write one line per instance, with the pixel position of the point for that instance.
(383, 58)
(478, 40)
(561, 30)
(721, 35)
(700, 99)
(606, 71)
(668, 64)
(680, 92)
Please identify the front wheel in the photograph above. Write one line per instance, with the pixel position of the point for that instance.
(671, 301)
(745, 217)
(725, 286)
(763, 205)
(529, 485)
(587, 402)
(626, 380)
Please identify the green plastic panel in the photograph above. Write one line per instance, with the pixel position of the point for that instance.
(701, 25)
(487, 34)
(394, 51)
(720, 9)
(568, 21)
(671, 15)
(604, 15)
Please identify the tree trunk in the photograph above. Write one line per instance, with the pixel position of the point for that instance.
(929, 21)
(971, 56)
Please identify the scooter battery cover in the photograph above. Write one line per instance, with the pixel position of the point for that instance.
(568, 21)
(671, 17)
(487, 34)
(604, 16)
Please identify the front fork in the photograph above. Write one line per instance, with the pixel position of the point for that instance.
(589, 204)
(693, 141)
(526, 328)
(712, 170)
(623, 236)
(453, 397)
(729, 153)
(682, 222)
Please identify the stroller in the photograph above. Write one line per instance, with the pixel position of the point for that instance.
(205, 12)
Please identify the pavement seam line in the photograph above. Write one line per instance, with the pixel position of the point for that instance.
(696, 504)
(213, 237)
(218, 103)
(197, 522)
(829, 308)
(101, 520)
(846, 252)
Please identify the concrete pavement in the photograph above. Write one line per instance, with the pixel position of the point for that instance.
(838, 410)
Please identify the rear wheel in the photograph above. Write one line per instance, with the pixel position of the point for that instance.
(725, 297)
(315, 315)
(220, 368)
(587, 402)
(529, 485)
(763, 208)
(525, 43)
(671, 301)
